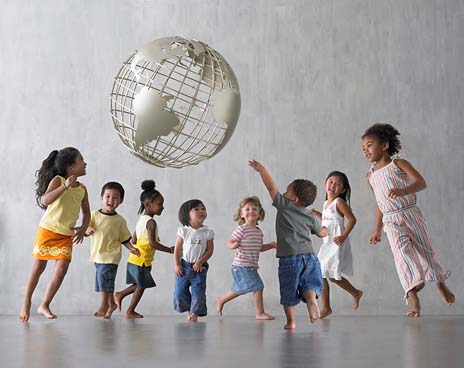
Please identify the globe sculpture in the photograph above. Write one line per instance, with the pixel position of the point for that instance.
(175, 102)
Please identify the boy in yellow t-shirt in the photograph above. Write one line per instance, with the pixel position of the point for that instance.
(108, 230)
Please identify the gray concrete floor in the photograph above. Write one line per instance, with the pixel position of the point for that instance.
(341, 341)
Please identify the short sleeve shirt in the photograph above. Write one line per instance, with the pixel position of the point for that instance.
(293, 227)
(194, 242)
(251, 242)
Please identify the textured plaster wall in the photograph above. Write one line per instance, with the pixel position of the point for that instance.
(313, 76)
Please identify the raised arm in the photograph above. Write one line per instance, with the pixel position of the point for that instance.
(56, 189)
(265, 177)
(417, 181)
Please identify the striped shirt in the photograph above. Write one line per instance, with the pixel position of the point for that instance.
(386, 178)
(251, 242)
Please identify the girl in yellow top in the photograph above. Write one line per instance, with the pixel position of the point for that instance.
(145, 239)
(59, 192)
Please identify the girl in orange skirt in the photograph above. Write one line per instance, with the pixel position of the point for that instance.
(59, 192)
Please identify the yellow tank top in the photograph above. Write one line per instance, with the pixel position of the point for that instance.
(147, 253)
(61, 215)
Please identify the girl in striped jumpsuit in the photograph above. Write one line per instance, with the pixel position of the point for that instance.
(394, 183)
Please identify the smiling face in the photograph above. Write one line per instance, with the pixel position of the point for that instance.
(250, 214)
(374, 149)
(197, 215)
(334, 187)
(111, 199)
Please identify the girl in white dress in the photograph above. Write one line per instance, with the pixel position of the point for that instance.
(335, 253)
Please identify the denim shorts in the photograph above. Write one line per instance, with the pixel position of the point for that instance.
(297, 275)
(139, 275)
(190, 290)
(246, 280)
(105, 277)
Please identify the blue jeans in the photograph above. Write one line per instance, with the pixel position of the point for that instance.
(246, 280)
(297, 275)
(105, 276)
(190, 290)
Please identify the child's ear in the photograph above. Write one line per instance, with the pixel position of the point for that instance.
(386, 146)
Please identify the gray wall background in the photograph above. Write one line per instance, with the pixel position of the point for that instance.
(313, 76)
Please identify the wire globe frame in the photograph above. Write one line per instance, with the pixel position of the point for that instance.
(190, 82)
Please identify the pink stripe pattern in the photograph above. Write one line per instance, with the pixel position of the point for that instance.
(406, 230)
(251, 242)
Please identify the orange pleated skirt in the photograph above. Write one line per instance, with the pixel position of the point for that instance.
(51, 246)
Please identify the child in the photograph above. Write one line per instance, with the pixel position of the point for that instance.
(247, 240)
(146, 241)
(194, 246)
(335, 253)
(59, 192)
(394, 182)
(108, 230)
(300, 275)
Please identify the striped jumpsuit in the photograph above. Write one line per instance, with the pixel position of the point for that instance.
(406, 229)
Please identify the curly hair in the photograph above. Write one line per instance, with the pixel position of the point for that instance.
(254, 201)
(385, 133)
(305, 190)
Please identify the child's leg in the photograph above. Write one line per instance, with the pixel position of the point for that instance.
(120, 295)
(221, 300)
(446, 294)
(111, 305)
(414, 304)
(198, 302)
(259, 305)
(290, 314)
(131, 313)
(355, 293)
(38, 268)
(325, 298)
(103, 305)
(61, 267)
(311, 303)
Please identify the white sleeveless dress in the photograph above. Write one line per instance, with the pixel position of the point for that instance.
(334, 259)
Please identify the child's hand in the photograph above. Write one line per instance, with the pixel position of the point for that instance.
(79, 233)
(316, 213)
(256, 165)
(396, 192)
(135, 251)
(273, 245)
(70, 180)
(172, 249)
(375, 237)
(179, 270)
(233, 244)
(197, 266)
(339, 240)
(90, 231)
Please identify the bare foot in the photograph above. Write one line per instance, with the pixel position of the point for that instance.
(118, 301)
(192, 318)
(446, 294)
(25, 312)
(325, 313)
(98, 314)
(414, 309)
(313, 309)
(133, 314)
(110, 311)
(291, 325)
(356, 300)
(46, 312)
(264, 317)
(219, 305)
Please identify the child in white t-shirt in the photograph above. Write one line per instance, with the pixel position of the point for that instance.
(194, 246)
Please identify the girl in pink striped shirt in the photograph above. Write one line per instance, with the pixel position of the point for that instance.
(395, 183)
(247, 240)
